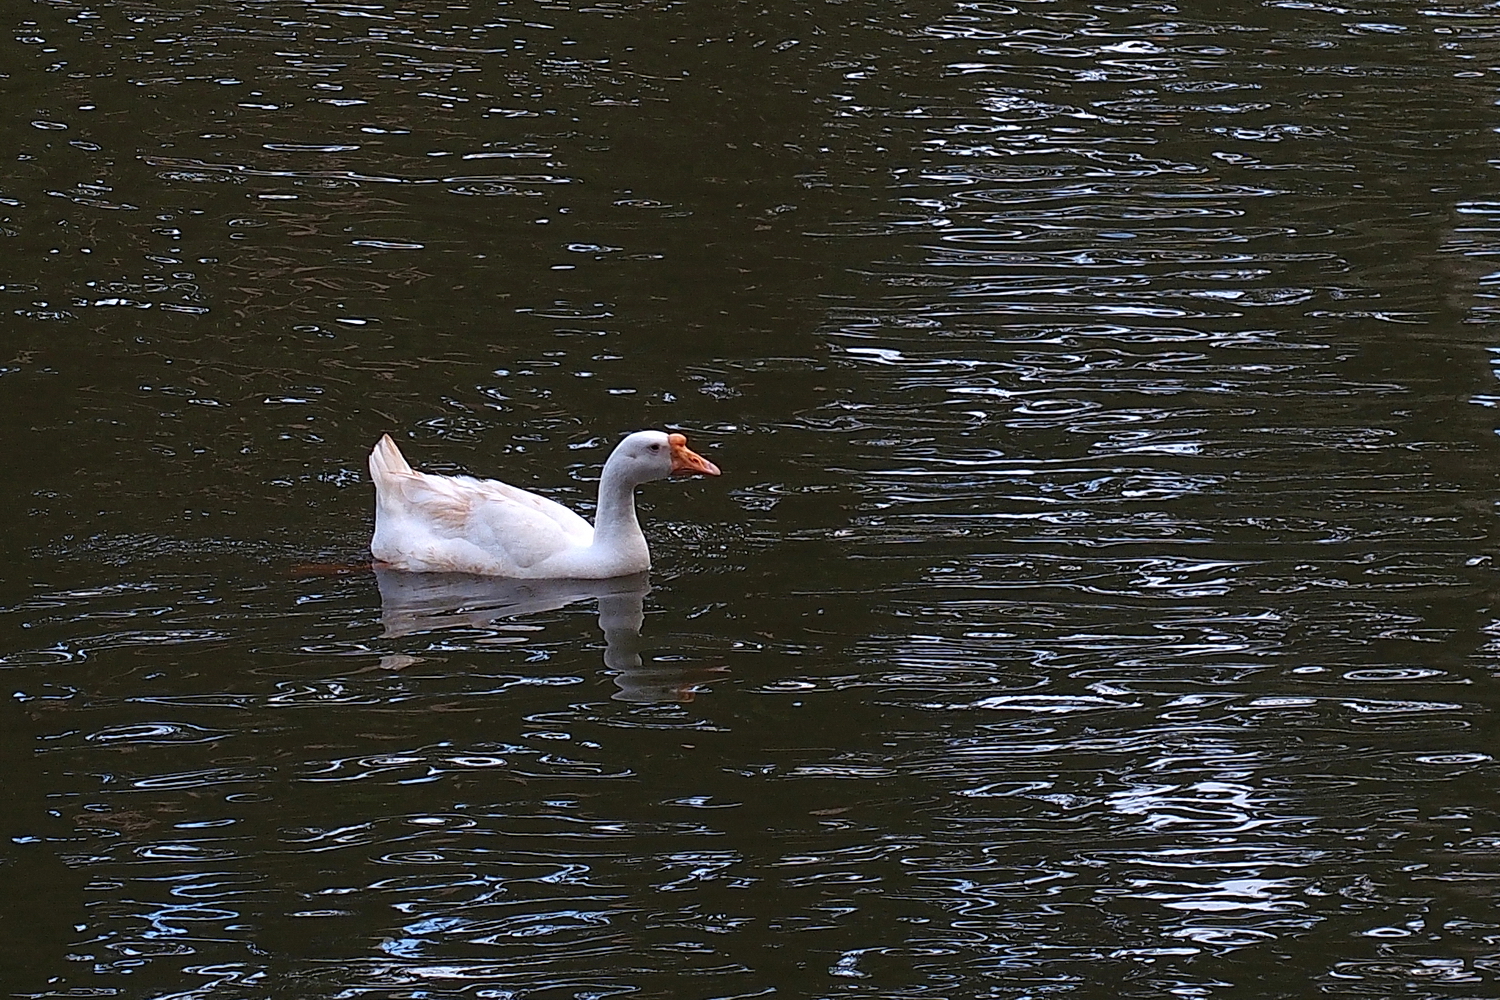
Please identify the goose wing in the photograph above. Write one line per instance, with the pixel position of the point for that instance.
(493, 516)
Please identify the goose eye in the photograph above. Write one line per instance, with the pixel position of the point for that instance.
(656, 447)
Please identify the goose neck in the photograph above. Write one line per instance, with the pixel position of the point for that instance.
(614, 518)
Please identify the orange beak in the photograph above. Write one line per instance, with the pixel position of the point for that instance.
(686, 461)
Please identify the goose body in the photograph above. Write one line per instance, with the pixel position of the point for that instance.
(458, 524)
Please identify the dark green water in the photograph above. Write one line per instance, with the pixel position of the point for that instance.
(1099, 600)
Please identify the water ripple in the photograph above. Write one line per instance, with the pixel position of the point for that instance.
(1097, 591)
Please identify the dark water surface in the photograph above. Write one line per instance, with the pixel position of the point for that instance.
(1099, 600)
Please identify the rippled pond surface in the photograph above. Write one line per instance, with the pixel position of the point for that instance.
(1099, 599)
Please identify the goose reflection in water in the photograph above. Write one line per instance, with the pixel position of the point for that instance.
(424, 602)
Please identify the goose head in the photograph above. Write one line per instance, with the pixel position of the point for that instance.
(648, 455)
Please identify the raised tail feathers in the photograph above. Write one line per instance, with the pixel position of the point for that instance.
(386, 461)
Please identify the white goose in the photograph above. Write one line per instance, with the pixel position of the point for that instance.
(459, 524)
